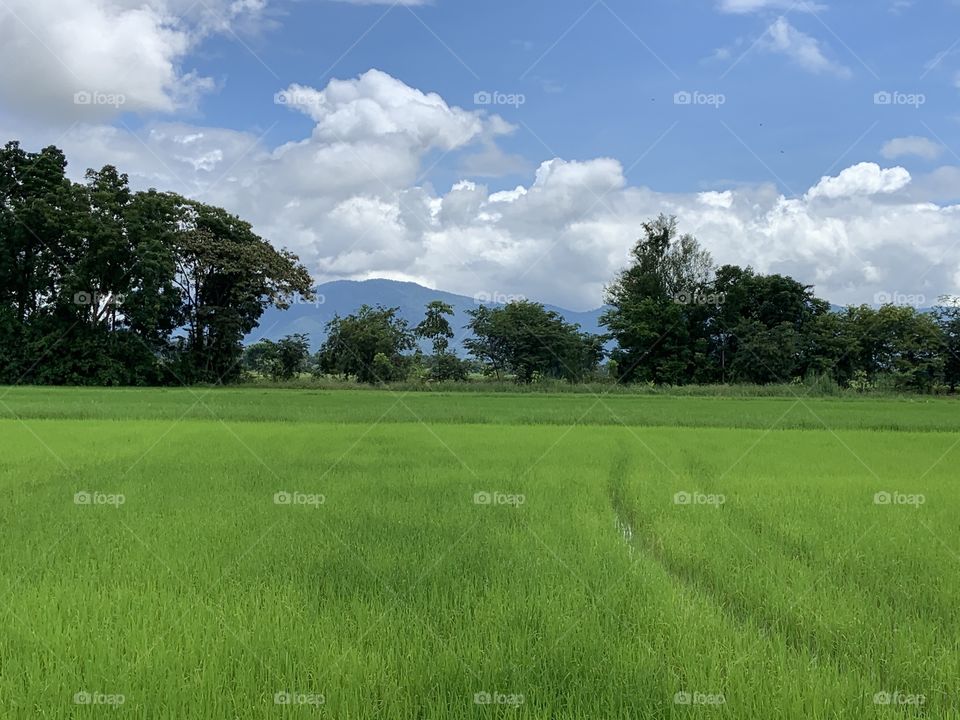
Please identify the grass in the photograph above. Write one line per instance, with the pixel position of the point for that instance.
(790, 410)
(585, 588)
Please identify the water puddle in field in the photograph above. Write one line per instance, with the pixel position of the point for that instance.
(625, 530)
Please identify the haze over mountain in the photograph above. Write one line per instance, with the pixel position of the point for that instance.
(346, 296)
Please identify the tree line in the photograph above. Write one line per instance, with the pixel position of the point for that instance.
(106, 286)
(674, 318)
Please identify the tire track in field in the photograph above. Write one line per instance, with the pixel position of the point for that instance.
(743, 614)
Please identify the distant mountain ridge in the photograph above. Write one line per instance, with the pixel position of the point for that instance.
(346, 296)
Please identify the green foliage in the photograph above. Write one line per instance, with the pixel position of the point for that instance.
(677, 321)
(367, 345)
(281, 360)
(524, 339)
(101, 285)
(947, 316)
(435, 326)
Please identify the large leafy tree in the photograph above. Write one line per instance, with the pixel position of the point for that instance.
(898, 344)
(102, 285)
(660, 307)
(368, 345)
(226, 276)
(436, 328)
(526, 340)
(763, 325)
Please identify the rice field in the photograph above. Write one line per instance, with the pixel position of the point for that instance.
(245, 553)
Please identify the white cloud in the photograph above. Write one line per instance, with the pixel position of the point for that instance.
(862, 179)
(378, 105)
(350, 204)
(913, 145)
(804, 50)
(67, 60)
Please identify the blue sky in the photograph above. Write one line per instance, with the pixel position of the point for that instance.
(598, 78)
(757, 122)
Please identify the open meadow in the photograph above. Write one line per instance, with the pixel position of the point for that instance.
(264, 553)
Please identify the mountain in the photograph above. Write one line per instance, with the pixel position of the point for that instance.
(345, 296)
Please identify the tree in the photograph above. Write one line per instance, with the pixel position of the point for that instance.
(763, 326)
(102, 285)
(226, 276)
(525, 339)
(897, 344)
(660, 307)
(947, 316)
(281, 360)
(436, 328)
(367, 345)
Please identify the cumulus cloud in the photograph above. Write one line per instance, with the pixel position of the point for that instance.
(913, 145)
(862, 179)
(348, 200)
(72, 60)
(802, 49)
(378, 105)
